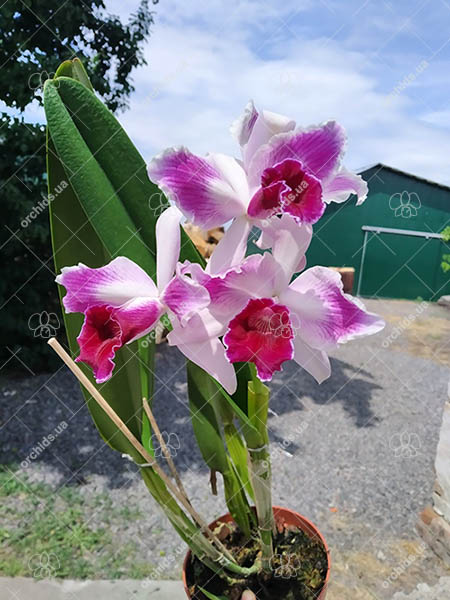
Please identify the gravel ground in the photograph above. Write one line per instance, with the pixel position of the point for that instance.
(355, 455)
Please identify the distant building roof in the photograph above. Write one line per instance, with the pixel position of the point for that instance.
(383, 166)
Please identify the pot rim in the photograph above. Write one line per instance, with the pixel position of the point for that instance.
(279, 511)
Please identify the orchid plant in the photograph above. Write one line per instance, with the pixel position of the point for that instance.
(236, 319)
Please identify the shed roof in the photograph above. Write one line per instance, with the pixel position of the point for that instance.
(394, 170)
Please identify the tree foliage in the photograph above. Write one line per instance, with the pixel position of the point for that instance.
(35, 37)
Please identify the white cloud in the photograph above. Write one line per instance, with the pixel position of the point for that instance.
(198, 81)
(206, 60)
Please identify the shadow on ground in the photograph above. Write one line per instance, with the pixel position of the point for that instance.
(33, 408)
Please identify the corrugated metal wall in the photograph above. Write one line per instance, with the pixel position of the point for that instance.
(395, 266)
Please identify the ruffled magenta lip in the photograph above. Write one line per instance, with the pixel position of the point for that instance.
(262, 334)
(100, 337)
(288, 187)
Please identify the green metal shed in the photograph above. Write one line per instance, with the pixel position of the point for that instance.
(392, 240)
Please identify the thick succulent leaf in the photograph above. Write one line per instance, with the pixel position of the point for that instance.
(74, 240)
(74, 69)
(201, 391)
(95, 186)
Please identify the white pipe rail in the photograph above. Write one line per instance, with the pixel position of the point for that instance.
(375, 229)
(425, 234)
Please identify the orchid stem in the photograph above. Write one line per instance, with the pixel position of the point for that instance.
(165, 450)
(260, 468)
(150, 460)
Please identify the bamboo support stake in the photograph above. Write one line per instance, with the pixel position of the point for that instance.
(166, 452)
(56, 346)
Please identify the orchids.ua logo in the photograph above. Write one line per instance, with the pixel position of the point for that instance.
(44, 565)
(285, 566)
(284, 324)
(172, 442)
(44, 324)
(157, 203)
(43, 204)
(405, 204)
(36, 80)
(405, 444)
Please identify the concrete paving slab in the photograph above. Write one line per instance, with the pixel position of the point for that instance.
(424, 592)
(23, 588)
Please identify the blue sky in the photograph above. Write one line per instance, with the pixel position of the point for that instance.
(380, 68)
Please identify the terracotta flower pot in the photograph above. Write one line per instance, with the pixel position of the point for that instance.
(283, 516)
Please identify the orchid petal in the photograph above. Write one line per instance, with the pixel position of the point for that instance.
(344, 183)
(315, 362)
(201, 326)
(167, 245)
(209, 191)
(106, 329)
(289, 242)
(114, 284)
(242, 127)
(232, 247)
(199, 342)
(288, 187)
(137, 317)
(326, 315)
(230, 291)
(261, 333)
(254, 129)
(318, 149)
(210, 356)
(184, 296)
(100, 337)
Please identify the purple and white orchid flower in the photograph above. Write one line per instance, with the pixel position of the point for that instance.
(284, 170)
(266, 319)
(120, 301)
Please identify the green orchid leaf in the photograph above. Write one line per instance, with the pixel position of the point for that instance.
(202, 394)
(74, 240)
(211, 596)
(78, 238)
(74, 69)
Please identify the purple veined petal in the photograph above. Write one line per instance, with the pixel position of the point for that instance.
(319, 149)
(209, 191)
(137, 317)
(210, 356)
(339, 187)
(289, 242)
(255, 128)
(184, 296)
(231, 249)
(114, 284)
(167, 245)
(230, 292)
(326, 315)
(314, 361)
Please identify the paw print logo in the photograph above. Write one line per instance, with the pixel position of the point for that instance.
(44, 324)
(405, 204)
(157, 203)
(44, 565)
(405, 445)
(171, 440)
(284, 566)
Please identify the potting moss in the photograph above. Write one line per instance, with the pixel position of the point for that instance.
(299, 568)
